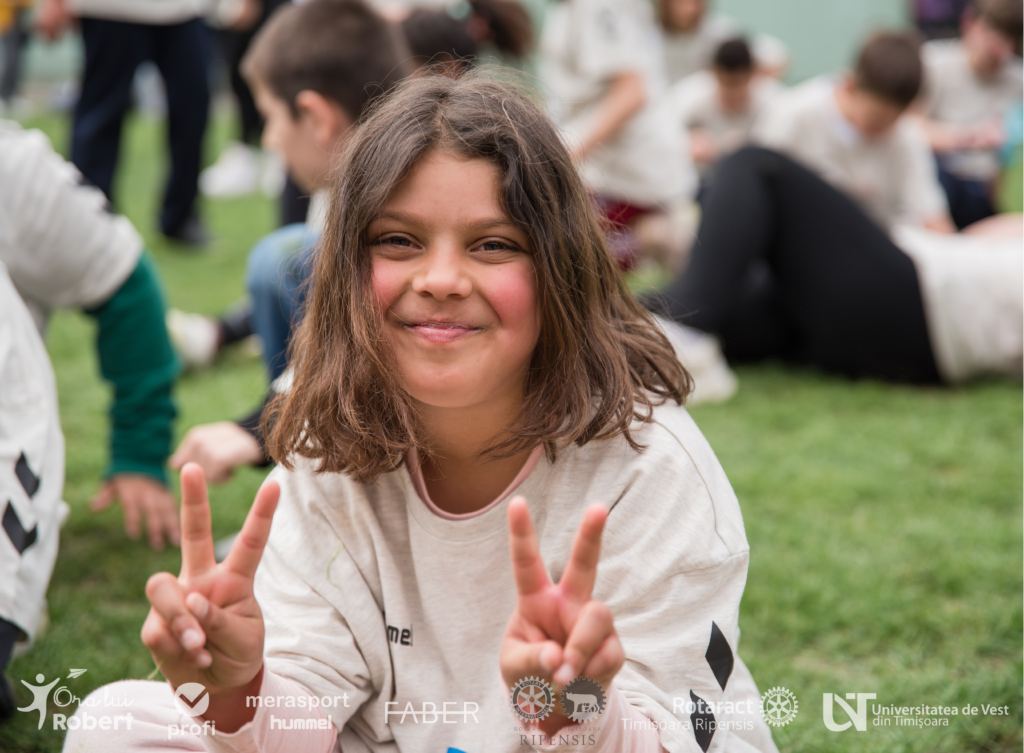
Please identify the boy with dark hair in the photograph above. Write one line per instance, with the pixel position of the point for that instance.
(852, 132)
(313, 69)
(718, 108)
(970, 85)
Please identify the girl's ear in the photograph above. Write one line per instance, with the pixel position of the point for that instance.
(327, 121)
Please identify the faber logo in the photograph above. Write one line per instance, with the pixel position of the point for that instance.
(858, 718)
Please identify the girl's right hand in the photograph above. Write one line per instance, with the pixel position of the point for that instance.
(205, 625)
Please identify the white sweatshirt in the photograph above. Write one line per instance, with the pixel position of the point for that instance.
(368, 593)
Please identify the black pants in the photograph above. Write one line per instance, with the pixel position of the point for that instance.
(785, 265)
(234, 45)
(113, 50)
(14, 41)
(970, 201)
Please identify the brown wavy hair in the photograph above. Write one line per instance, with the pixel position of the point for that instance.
(600, 363)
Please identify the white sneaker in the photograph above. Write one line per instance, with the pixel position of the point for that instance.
(700, 353)
(194, 337)
(235, 173)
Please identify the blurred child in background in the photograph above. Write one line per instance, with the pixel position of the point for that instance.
(970, 86)
(603, 70)
(691, 35)
(718, 108)
(852, 131)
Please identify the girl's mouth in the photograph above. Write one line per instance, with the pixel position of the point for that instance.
(442, 332)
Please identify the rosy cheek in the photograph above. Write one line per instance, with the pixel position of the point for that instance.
(513, 295)
(386, 281)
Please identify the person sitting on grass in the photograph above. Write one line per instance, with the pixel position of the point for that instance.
(853, 133)
(470, 366)
(719, 108)
(970, 85)
(61, 249)
(314, 68)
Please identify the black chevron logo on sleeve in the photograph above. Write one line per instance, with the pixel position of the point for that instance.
(16, 532)
(29, 480)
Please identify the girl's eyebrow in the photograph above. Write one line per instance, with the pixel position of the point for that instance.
(483, 224)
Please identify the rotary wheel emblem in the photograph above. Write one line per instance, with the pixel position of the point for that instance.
(779, 706)
(532, 699)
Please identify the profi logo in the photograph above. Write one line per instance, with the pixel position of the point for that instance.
(858, 718)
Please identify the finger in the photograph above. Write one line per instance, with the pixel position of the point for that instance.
(162, 644)
(168, 599)
(581, 570)
(230, 633)
(103, 498)
(607, 660)
(130, 510)
(594, 624)
(247, 550)
(527, 565)
(521, 659)
(196, 534)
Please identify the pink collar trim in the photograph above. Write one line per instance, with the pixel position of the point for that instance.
(416, 474)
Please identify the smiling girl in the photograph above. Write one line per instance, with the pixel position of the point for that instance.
(471, 372)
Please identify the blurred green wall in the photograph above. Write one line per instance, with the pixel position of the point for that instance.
(822, 35)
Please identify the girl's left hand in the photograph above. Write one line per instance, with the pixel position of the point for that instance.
(558, 631)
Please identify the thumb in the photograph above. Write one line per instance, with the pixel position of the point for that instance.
(104, 497)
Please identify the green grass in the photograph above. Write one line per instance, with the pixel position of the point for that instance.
(884, 521)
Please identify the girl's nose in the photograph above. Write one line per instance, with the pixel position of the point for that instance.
(443, 273)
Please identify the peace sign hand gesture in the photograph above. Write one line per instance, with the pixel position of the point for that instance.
(205, 625)
(558, 631)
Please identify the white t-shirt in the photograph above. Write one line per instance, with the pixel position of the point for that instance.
(955, 95)
(696, 105)
(585, 44)
(893, 177)
(155, 12)
(367, 591)
(31, 465)
(77, 257)
(973, 291)
(687, 52)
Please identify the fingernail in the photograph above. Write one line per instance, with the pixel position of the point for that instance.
(191, 639)
(564, 674)
(204, 659)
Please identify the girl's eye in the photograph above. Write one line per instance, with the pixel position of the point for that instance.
(394, 240)
(497, 247)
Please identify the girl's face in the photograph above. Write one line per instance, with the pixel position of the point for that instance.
(456, 284)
